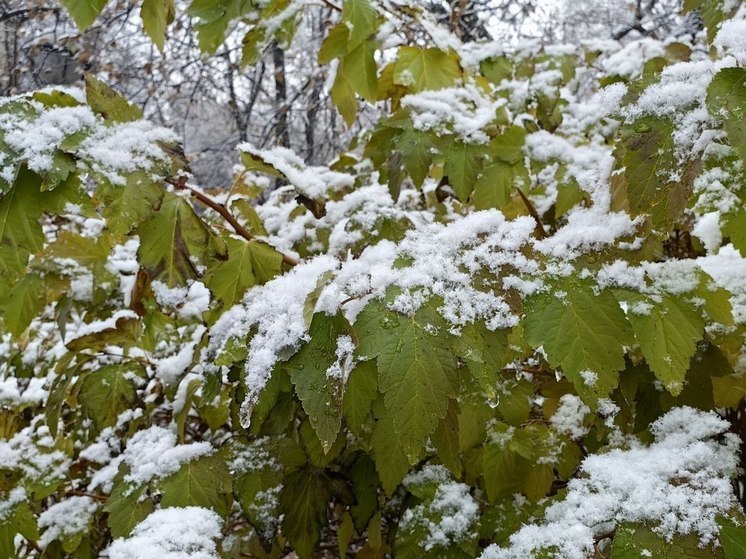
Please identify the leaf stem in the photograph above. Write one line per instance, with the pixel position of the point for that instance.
(180, 184)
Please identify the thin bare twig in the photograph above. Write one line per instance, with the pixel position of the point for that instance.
(180, 184)
(532, 210)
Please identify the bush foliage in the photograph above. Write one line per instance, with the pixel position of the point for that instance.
(507, 322)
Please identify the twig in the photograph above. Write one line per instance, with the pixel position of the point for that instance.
(180, 184)
(84, 494)
(332, 6)
(33, 545)
(539, 225)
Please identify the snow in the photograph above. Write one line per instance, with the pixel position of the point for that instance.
(36, 140)
(602, 104)
(464, 111)
(449, 517)
(153, 453)
(587, 230)
(13, 394)
(732, 39)
(343, 364)
(677, 485)
(96, 326)
(171, 367)
(476, 265)
(629, 60)
(681, 85)
(66, 518)
(123, 263)
(727, 268)
(15, 496)
(109, 151)
(707, 229)
(568, 418)
(32, 452)
(127, 147)
(172, 533)
(276, 309)
(314, 182)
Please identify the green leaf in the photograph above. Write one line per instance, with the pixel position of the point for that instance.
(392, 462)
(108, 103)
(317, 454)
(128, 205)
(733, 540)
(24, 301)
(656, 183)
(365, 482)
(359, 17)
(514, 404)
(496, 69)
(580, 332)
(633, 542)
(343, 95)
(62, 165)
(416, 150)
(304, 500)
(256, 492)
(84, 12)
(126, 333)
(214, 17)
(248, 264)
(186, 403)
(107, 392)
(415, 369)
(19, 520)
(344, 533)
(156, 15)
(169, 240)
(320, 393)
(668, 333)
(203, 482)
(726, 100)
(735, 229)
(335, 43)
(508, 146)
(446, 439)
(495, 185)
(127, 508)
(372, 326)
(504, 472)
(20, 210)
(361, 390)
(484, 352)
(86, 251)
(360, 70)
(462, 164)
(421, 69)
(244, 209)
(568, 195)
(539, 481)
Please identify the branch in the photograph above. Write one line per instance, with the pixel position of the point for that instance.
(180, 184)
(4, 16)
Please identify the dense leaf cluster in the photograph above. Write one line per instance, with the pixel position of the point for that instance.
(525, 273)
